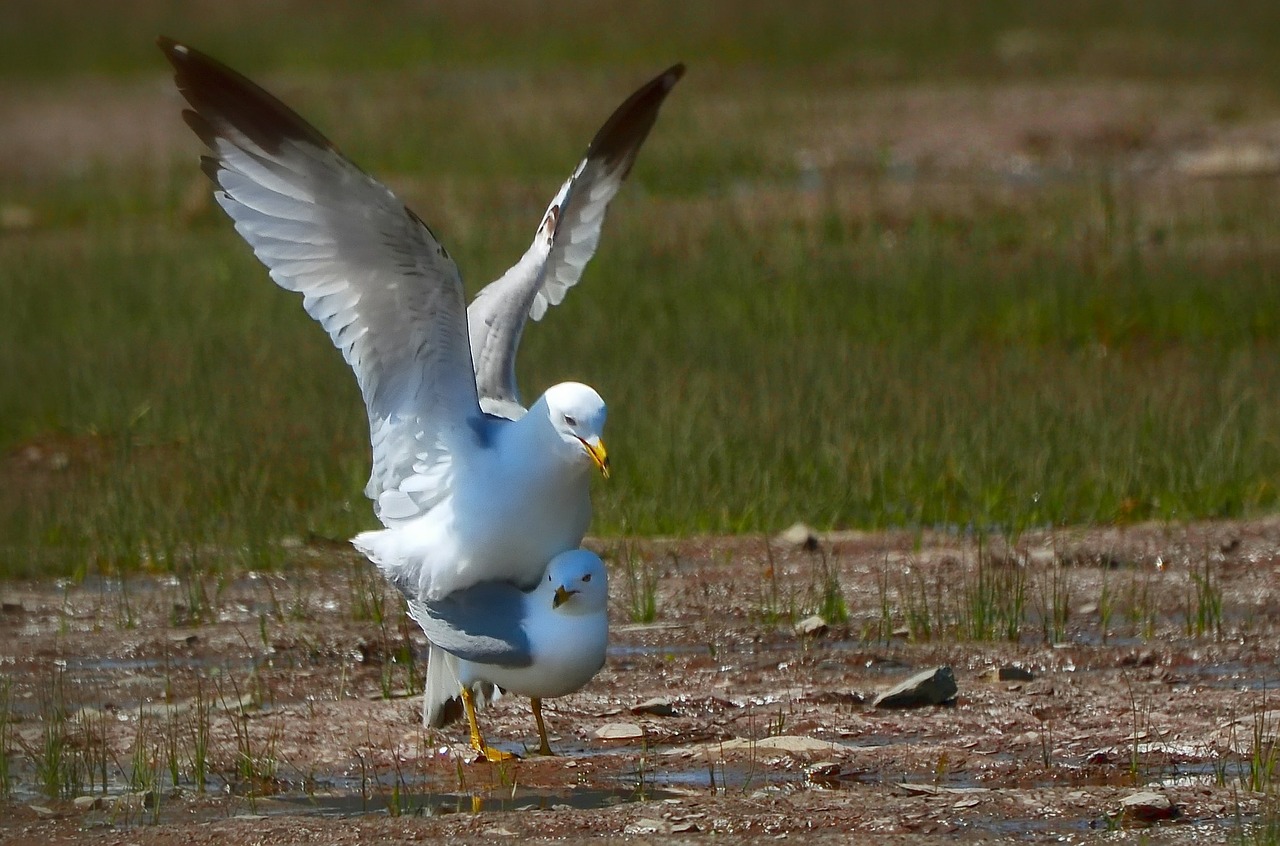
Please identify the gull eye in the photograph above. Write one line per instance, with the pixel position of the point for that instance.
(587, 577)
(571, 421)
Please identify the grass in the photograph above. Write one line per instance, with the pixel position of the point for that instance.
(868, 352)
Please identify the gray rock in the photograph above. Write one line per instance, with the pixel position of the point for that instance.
(928, 687)
(823, 772)
(657, 706)
(44, 812)
(619, 731)
(1148, 806)
(1009, 672)
(799, 536)
(88, 803)
(813, 626)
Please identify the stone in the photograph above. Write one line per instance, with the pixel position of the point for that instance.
(813, 626)
(793, 743)
(799, 536)
(1008, 673)
(823, 772)
(928, 687)
(44, 812)
(619, 731)
(88, 803)
(647, 826)
(1148, 806)
(657, 706)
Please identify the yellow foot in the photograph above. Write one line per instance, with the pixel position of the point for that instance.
(494, 756)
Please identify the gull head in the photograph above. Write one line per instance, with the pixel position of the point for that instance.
(578, 582)
(577, 414)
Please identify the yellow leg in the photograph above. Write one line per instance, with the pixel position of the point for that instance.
(487, 753)
(544, 747)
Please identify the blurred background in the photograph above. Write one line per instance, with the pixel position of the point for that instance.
(977, 266)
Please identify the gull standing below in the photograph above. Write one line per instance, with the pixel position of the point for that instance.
(542, 643)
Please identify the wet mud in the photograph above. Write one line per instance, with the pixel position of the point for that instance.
(1091, 666)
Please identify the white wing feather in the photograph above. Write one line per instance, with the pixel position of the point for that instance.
(565, 241)
(370, 272)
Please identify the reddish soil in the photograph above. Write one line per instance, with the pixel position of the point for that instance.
(757, 734)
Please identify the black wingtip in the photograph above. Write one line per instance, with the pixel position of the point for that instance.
(224, 97)
(619, 139)
(672, 75)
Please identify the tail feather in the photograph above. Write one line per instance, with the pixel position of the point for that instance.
(441, 699)
(442, 692)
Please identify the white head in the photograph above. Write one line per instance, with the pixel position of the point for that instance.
(577, 414)
(577, 583)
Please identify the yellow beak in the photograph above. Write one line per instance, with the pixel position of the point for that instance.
(562, 596)
(599, 455)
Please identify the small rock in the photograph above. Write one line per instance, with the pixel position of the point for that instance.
(136, 800)
(647, 826)
(823, 772)
(44, 812)
(813, 626)
(800, 536)
(619, 731)
(791, 743)
(1148, 806)
(1009, 672)
(929, 687)
(88, 803)
(657, 706)
(685, 828)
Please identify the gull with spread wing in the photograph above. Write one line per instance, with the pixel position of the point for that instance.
(468, 485)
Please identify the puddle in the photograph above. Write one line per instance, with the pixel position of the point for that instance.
(415, 803)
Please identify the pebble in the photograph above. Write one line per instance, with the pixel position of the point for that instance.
(928, 687)
(813, 626)
(618, 731)
(1148, 806)
(800, 536)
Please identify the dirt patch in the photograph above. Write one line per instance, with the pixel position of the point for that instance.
(281, 701)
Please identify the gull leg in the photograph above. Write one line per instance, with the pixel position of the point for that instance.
(544, 747)
(487, 753)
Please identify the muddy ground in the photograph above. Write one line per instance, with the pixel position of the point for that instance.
(1151, 652)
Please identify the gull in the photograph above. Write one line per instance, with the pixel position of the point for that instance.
(468, 485)
(541, 643)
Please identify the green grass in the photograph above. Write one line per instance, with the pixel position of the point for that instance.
(912, 39)
(870, 354)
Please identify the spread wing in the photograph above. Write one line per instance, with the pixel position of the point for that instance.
(483, 624)
(369, 271)
(564, 243)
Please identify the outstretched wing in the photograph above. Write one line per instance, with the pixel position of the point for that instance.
(369, 271)
(564, 243)
(482, 624)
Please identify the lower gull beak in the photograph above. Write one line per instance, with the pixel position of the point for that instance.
(562, 596)
(599, 455)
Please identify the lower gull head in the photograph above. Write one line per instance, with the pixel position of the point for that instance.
(577, 414)
(577, 583)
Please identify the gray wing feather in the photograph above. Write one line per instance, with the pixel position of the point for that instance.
(370, 272)
(565, 241)
(483, 624)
